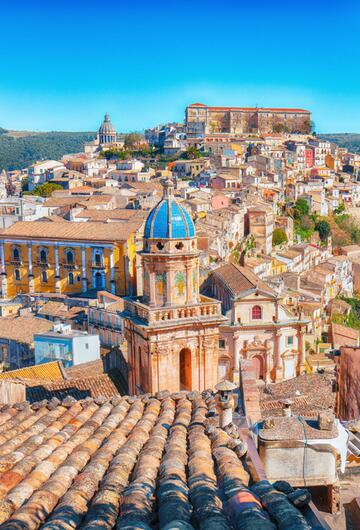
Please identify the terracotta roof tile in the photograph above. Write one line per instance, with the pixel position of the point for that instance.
(71, 231)
(22, 329)
(239, 279)
(131, 462)
(49, 371)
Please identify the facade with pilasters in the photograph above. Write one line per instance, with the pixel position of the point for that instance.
(63, 257)
(172, 331)
(258, 326)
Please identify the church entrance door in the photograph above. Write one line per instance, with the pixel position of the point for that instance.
(258, 366)
(185, 369)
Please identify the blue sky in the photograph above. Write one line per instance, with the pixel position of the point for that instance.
(64, 63)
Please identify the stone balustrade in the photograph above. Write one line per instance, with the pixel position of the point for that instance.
(151, 315)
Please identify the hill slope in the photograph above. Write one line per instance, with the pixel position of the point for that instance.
(19, 149)
(349, 140)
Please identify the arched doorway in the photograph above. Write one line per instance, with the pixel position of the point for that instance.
(98, 281)
(185, 369)
(258, 363)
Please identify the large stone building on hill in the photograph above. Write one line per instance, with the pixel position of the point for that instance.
(172, 330)
(201, 120)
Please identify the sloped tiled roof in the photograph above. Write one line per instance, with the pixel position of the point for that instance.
(90, 231)
(344, 336)
(49, 371)
(107, 385)
(22, 329)
(130, 463)
(239, 279)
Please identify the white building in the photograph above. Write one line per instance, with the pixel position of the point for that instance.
(70, 346)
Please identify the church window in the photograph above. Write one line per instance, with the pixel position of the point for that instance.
(290, 340)
(97, 258)
(159, 245)
(256, 312)
(70, 257)
(17, 274)
(222, 343)
(44, 277)
(71, 278)
(43, 256)
(179, 245)
(16, 254)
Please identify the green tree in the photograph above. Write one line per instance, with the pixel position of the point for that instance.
(25, 184)
(302, 207)
(279, 237)
(131, 140)
(340, 209)
(191, 153)
(279, 128)
(46, 189)
(324, 229)
(115, 154)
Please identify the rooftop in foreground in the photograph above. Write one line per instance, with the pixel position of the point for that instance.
(135, 463)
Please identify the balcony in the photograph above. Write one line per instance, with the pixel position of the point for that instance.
(44, 264)
(97, 265)
(205, 310)
(69, 266)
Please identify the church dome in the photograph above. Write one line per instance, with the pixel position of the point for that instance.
(169, 220)
(106, 127)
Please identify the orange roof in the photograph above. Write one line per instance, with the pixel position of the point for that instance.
(90, 231)
(50, 371)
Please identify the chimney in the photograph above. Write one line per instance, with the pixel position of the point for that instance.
(226, 402)
(287, 407)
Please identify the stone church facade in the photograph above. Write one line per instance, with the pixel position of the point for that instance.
(258, 327)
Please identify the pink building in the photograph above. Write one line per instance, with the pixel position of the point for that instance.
(219, 201)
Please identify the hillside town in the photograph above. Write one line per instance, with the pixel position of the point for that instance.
(179, 329)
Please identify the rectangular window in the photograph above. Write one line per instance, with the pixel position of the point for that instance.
(221, 343)
(290, 341)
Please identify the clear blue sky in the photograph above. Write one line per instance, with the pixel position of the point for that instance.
(64, 63)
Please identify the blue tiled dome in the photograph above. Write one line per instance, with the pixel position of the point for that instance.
(169, 220)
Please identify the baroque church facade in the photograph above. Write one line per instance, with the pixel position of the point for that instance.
(172, 330)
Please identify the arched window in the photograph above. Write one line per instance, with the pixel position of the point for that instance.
(70, 257)
(17, 274)
(16, 254)
(71, 278)
(256, 313)
(43, 256)
(44, 276)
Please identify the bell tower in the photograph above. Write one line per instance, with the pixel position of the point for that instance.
(170, 255)
(172, 330)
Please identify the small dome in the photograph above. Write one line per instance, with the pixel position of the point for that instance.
(169, 220)
(106, 127)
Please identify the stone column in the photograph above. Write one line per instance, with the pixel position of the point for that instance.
(278, 369)
(3, 271)
(112, 272)
(236, 360)
(30, 269)
(57, 270)
(301, 349)
(83, 269)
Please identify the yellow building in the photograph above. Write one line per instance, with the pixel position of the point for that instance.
(277, 267)
(66, 257)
